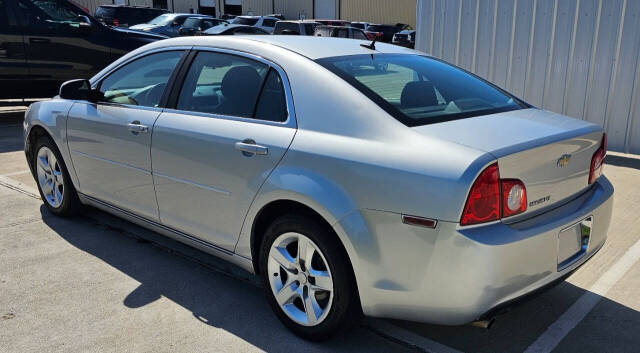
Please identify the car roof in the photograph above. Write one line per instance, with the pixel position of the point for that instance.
(307, 46)
(298, 21)
(225, 26)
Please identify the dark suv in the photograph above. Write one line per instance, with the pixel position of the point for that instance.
(125, 16)
(46, 42)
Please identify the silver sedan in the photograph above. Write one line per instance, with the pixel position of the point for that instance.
(353, 178)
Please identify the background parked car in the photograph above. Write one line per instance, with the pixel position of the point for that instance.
(304, 27)
(277, 15)
(406, 38)
(64, 42)
(194, 26)
(342, 32)
(233, 29)
(125, 16)
(362, 25)
(388, 30)
(338, 23)
(167, 24)
(266, 23)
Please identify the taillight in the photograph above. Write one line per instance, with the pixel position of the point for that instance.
(483, 203)
(492, 198)
(116, 22)
(514, 197)
(597, 161)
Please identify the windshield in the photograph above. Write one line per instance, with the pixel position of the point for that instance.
(381, 28)
(245, 21)
(162, 20)
(419, 90)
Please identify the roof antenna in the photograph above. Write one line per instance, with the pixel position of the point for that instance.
(371, 46)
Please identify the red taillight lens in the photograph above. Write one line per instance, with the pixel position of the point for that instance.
(483, 203)
(492, 198)
(116, 22)
(597, 161)
(514, 197)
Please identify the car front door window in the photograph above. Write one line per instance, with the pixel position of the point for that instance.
(222, 84)
(141, 82)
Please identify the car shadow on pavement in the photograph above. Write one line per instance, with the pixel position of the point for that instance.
(11, 132)
(197, 281)
(608, 327)
(621, 161)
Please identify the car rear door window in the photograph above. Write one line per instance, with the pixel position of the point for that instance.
(272, 105)
(358, 34)
(141, 82)
(222, 84)
(267, 22)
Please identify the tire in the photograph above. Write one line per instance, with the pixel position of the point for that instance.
(54, 184)
(336, 311)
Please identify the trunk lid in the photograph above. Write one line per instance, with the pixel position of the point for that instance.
(550, 153)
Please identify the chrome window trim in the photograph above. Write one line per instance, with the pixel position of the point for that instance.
(97, 80)
(291, 121)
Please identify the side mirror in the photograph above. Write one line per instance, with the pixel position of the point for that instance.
(78, 90)
(84, 23)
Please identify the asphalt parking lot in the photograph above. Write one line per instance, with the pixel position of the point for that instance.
(97, 283)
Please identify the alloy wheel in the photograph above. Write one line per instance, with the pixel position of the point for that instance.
(50, 177)
(300, 279)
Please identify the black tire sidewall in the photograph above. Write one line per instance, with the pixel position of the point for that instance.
(70, 202)
(343, 312)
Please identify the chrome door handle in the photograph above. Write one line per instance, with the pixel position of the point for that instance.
(249, 148)
(135, 127)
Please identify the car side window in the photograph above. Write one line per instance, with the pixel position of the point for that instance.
(49, 14)
(222, 84)
(141, 82)
(272, 104)
(342, 33)
(359, 35)
(4, 21)
(267, 22)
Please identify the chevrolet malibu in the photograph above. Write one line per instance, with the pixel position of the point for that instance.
(353, 178)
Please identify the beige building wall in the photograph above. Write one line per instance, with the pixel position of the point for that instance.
(294, 9)
(379, 11)
(256, 7)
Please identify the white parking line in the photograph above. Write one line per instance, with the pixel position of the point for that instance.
(406, 336)
(16, 173)
(572, 317)
(18, 186)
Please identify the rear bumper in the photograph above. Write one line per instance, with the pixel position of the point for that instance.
(452, 275)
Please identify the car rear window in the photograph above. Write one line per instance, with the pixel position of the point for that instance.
(419, 90)
(245, 21)
(106, 12)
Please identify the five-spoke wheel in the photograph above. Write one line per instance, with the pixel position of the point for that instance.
(300, 278)
(54, 184)
(50, 177)
(308, 278)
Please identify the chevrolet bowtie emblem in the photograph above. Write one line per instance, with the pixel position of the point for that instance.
(564, 160)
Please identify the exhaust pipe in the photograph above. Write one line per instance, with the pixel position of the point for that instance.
(485, 324)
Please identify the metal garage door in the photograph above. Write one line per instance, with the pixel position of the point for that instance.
(325, 9)
(576, 57)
